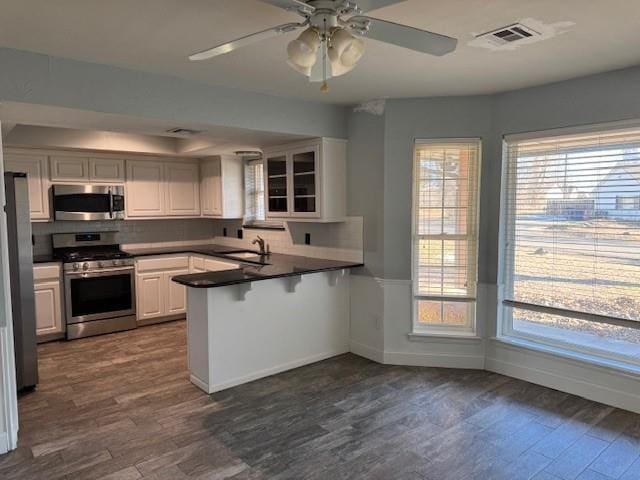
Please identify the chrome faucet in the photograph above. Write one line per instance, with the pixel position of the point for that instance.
(260, 241)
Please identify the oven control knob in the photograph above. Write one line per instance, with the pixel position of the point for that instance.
(116, 263)
(76, 267)
(99, 264)
(85, 266)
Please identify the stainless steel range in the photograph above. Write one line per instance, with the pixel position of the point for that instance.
(99, 283)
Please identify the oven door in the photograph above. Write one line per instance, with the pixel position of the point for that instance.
(88, 202)
(99, 295)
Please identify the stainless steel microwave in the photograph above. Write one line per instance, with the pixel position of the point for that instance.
(88, 202)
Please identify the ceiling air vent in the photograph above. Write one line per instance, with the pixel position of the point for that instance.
(183, 131)
(524, 32)
(507, 35)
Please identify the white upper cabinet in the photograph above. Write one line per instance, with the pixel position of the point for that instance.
(222, 187)
(69, 169)
(211, 188)
(37, 170)
(145, 189)
(107, 170)
(306, 181)
(74, 169)
(162, 189)
(182, 189)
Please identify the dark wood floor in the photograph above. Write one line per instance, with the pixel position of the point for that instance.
(121, 407)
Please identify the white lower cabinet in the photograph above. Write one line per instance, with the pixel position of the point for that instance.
(157, 295)
(176, 297)
(48, 301)
(150, 299)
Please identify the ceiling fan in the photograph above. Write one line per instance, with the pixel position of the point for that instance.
(331, 43)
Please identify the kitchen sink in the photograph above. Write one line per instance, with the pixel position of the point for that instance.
(244, 255)
(247, 255)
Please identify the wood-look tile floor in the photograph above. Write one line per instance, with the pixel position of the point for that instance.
(121, 407)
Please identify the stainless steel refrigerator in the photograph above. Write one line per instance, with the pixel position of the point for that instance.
(21, 271)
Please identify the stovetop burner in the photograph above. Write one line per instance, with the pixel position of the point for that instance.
(90, 254)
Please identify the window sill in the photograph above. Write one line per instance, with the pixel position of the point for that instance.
(259, 226)
(566, 354)
(451, 337)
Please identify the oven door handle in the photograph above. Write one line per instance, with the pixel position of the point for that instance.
(99, 273)
(110, 204)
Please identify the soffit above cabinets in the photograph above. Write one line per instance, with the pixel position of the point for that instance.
(46, 126)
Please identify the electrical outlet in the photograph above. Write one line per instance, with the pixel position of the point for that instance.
(377, 321)
(307, 239)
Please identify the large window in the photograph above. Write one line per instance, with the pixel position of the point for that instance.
(571, 248)
(445, 197)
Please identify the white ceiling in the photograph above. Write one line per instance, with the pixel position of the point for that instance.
(157, 36)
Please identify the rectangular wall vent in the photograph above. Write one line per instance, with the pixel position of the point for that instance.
(183, 131)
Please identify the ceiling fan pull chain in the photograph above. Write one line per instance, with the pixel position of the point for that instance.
(324, 88)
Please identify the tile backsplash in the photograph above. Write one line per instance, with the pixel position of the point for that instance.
(130, 231)
(336, 241)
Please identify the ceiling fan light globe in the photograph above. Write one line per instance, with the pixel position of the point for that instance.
(306, 71)
(353, 53)
(303, 49)
(346, 48)
(337, 67)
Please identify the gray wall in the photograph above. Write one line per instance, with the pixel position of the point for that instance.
(407, 120)
(366, 184)
(599, 98)
(41, 79)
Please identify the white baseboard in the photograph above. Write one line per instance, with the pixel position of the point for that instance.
(417, 359)
(475, 362)
(266, 372)
(4, 443)
(201, 384)
(592, 382)
(366, 351)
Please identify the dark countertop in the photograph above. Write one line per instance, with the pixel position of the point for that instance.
(44, 259)
(212, 250)
(276, 265)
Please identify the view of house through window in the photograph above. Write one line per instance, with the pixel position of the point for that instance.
(572, 241)
(445, 235)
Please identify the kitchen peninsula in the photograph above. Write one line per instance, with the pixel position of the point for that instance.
(273, 313)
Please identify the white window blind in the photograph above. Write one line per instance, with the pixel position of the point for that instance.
(572, 234)
(445, 234)
(254, 191)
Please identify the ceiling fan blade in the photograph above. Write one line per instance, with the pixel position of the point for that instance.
(293, 5)
(244, 41)
(368, 5)
(408, 37)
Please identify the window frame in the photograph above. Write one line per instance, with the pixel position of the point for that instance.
(634, 202)
(505, 308)
(470, 327)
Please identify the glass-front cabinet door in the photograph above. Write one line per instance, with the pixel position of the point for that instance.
(277, 185)
(304, 172)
